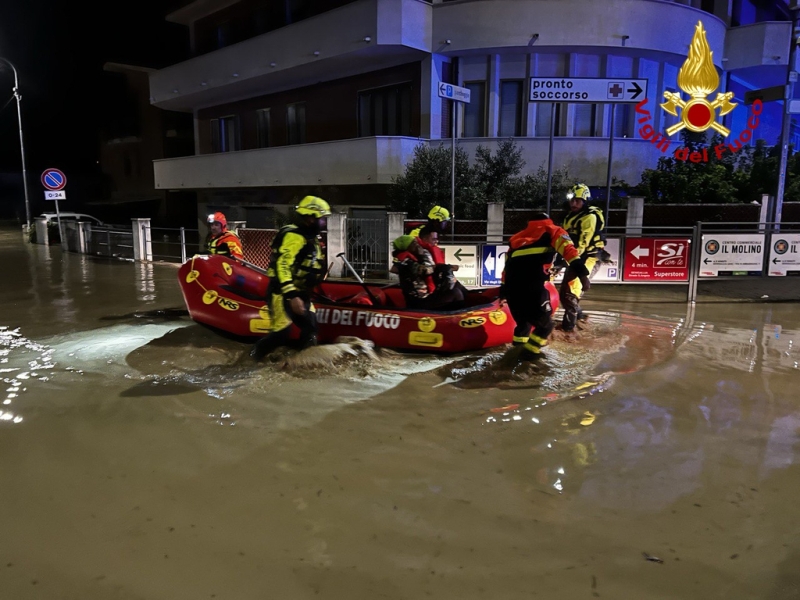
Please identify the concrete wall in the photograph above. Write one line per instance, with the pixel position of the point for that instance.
(285, 59)
(478, 25)
(357, 161)
(757, 44)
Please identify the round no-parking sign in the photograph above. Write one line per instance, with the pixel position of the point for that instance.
(53, 179)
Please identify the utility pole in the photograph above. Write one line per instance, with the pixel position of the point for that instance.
(18, 96)
(791, 77)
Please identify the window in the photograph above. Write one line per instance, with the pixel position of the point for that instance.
(225, 134)
(585, 120)
(263, 127)
(385, 111)
(543, 112)
(475, 111)
(222, 34)
(622, 120)
(296, 123)
(510, 108)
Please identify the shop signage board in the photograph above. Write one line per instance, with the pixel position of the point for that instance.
(657, 259)
(723, 254)
(784, 255)
(608, 272)
(466, 257)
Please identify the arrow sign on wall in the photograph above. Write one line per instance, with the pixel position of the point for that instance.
(458, 254)
(639, 252)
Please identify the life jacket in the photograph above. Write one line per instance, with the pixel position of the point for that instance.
(531, 253)
(436, 253)
(416, 276)
(586, 228)
(297, 260)
(226, 243)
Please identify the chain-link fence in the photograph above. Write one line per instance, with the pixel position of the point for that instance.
(368, 245)
(257, 245)
(516, 219)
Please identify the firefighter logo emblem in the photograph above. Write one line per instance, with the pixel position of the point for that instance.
(698, 78)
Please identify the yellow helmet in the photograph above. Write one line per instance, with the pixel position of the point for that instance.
(311, 205)
(439, 213)
(579, 190)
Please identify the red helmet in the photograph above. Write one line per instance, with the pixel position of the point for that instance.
(218, 217)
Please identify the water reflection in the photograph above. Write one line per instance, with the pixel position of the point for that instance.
(145, 282)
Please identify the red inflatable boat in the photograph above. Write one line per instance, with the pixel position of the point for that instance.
(228, 295)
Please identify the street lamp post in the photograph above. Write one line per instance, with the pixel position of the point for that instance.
(794, 7)
(21, 143)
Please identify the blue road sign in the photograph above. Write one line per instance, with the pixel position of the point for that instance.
(53, 179)
(453, 92)
(493, 261)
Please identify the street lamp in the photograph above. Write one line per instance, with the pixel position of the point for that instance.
(21, 143)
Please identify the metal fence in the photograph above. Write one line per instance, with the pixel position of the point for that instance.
(111, 242)
(257, 245)
(173, 244)
(368, 246)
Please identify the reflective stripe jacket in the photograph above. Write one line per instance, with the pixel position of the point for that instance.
(531, 253)
(585, 228)
(226, 243)
(296, 261)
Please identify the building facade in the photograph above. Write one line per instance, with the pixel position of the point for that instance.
(332, 96)
(133, 134)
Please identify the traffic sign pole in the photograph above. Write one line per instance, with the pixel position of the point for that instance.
(550, 153)
(787, 118)
(610, 154)
(454, 116)
(455, 94)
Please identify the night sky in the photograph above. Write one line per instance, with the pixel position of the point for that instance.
(59, 48)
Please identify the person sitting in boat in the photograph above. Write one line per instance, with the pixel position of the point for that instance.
(438, 218)
(527, 270)
(443, 274)
(220, 240)
(296, 266)
(415, 267)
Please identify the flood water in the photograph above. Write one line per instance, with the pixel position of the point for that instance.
(145, 457)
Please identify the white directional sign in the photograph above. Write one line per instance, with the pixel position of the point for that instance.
(587, 89)
(55, 195)
(731, 254)
(466, 257)
(784, 256)
(607, 272)
(453, 92)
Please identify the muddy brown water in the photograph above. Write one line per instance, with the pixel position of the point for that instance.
(144, 457)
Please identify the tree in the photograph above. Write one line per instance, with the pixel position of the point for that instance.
(494, 177)
(426, 181)
(741, 176)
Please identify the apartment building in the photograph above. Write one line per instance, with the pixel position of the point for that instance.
(331, 97)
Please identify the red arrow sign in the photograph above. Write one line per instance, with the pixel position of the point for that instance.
(652, 259)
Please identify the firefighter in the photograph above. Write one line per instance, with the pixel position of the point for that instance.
(221, 241)
(527, 270)
(438, 218)
(296, 266)
(585, 225)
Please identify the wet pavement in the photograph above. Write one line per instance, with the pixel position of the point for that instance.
(652, 455)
